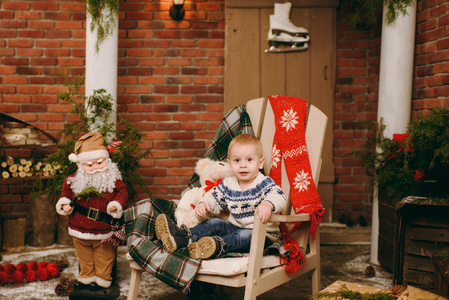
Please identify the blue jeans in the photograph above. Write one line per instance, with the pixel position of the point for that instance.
(235, 239)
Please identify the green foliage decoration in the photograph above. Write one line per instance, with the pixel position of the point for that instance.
(89, 193)
(104, 14)
(370, 11)
(418, 165)
(344, 293)
(92, 114)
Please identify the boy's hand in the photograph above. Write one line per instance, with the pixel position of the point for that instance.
(67, 208)
(264, 209)
(113, 209)
(202, 209)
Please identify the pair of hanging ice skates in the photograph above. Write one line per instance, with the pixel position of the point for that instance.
(283, 35)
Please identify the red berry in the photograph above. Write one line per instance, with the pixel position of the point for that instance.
(42, 264)
(31, 275)
(43, 274)
(17, 277)
(22, 267)
(54, 272)
(32, 266)
(10, 268)
(4, 278)
(51, 265)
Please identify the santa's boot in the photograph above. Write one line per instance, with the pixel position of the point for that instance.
(282, 29)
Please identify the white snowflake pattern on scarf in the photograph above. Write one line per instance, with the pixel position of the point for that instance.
(302, 181)
(275, 156)
(289, 119)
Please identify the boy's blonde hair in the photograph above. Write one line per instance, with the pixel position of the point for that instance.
(246, 139)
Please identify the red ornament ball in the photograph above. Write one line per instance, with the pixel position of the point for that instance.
(4, 278)
(22, 267)
(54, 272)
(42, 264)
(32, 266)
(31, 275)
(17, 277)
(10, 268)
(52, 265)
(43, 274)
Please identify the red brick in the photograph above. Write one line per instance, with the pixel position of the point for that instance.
(29, 15)
(17, 98)
(29, 52)
(13, 24)
(68, 25)
(6, 15)
(21, 43)
(29, 89)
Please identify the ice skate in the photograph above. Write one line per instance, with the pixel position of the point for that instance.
(283, 35)
(282, 47)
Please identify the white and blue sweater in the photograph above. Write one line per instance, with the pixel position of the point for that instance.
(242, 204)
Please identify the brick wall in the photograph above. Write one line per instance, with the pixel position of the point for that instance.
(356, 93)
(170, 75)
(171, 80)
(358, 59)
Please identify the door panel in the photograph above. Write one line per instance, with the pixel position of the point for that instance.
(251, 73)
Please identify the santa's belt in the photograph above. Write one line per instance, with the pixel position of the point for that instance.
(95, 215)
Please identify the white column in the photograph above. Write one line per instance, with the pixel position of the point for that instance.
(101, 66)
(395, 89)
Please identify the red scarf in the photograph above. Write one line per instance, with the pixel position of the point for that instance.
(289, 143)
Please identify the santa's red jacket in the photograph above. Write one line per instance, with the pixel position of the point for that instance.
(84, 228)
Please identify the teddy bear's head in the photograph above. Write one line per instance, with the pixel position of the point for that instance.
(212, 170)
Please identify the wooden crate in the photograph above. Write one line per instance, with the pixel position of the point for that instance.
(386, 239)
(421, 231)
(441, 276)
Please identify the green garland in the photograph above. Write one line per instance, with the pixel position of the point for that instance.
(344, 293)
(417, 166)
(104, 14)
(89, 192)
(126, 155)
(370, 11)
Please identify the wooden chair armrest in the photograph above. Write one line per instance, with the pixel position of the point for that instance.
(290, 218)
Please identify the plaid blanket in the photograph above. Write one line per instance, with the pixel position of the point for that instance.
(236, 121)
(175, 269)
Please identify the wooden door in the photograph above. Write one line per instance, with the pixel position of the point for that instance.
(251, 73)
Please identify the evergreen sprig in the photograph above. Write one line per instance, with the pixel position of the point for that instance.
(418, 166)
(370, 11)
(89, 193)
(93, 116)
(344, 293)
(104, 15)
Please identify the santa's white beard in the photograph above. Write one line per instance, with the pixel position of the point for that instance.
(103, 181)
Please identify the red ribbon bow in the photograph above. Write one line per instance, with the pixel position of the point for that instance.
(210, 185)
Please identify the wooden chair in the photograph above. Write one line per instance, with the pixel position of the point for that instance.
(256, 272)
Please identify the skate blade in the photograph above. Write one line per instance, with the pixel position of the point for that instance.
(276, 31)
(292, 48)
(288, 39)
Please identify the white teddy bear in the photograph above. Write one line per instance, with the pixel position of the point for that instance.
(210, 173)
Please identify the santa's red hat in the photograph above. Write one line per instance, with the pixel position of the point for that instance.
(89, 146)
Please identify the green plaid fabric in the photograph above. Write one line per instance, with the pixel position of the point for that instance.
(175, 269)
(236, 121)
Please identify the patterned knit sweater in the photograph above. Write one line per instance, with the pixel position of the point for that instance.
(243, 204)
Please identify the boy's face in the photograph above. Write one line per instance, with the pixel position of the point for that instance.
(245, 163)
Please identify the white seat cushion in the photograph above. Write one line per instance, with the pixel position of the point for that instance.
(230, 266)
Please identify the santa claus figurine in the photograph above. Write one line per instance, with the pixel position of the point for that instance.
(94, 199)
